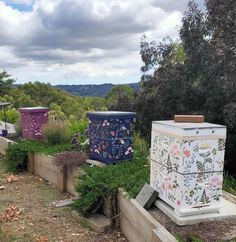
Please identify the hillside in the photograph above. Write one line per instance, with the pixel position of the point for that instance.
(92, 90)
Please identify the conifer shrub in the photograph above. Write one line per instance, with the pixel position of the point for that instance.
(95, 183)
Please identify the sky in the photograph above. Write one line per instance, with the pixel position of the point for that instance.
(82, 41)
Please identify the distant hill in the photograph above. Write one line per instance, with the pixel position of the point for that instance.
(93, 90)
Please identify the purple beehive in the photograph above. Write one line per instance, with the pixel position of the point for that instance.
(32, 121)
(110, 136)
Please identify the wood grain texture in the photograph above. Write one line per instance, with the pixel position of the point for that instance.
(189, 118)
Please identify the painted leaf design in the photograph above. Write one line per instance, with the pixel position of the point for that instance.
(200, 166)
(209, 160)
(204, 198)
(221, 144)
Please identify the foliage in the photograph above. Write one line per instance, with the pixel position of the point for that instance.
(5, 82)
(16, 154)
(96, 183)
(229, 183)
(194, 76)
(141, 145)
(56, 132)
(92, 90)
(78, 127)
(18, 126)
(11, 116)
(15, 158)
(191, 238)
(120, 98)
(70, 158)
(44, 147)
(56, 114)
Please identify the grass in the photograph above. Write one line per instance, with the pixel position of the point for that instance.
(43, 147)
(229, 184)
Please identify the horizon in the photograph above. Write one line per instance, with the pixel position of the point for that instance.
(84, 42)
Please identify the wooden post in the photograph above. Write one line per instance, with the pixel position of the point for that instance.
(62, 178)
(30, 164)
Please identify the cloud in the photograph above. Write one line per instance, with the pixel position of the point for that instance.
(82, 38)
(25, 2)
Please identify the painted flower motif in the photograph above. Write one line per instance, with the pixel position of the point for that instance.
(175, 150)
(105, 123)
(187, 153)
(169, 186)
(178, 202)
(97, 151)
(163, 186)
(113, 133)
(122, 141)
(215, 182)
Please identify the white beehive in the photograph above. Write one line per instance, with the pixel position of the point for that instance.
(187, 162)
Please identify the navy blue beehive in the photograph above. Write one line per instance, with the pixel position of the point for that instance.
(110, 136)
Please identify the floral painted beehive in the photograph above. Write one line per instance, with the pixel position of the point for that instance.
(110, 136)
(187, 162)
(32, 121)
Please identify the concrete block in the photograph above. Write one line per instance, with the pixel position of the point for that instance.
(97, 222)
(146, 196)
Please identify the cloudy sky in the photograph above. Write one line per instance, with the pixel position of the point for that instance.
(82, 41)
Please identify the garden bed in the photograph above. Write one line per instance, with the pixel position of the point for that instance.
(221, 230)
(45, 167)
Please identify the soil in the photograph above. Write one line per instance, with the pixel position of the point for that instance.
(209, 231)
(39, 220)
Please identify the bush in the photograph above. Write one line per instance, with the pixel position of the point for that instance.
(11, 116)
(229, 184)
(56, 132)
(15, 159)
(96, 183)
(78, 127)
(18, 127)
(16, 154)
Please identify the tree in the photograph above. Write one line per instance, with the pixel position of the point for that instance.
(165, 86)
(120, 98)
(201, 81)
(5, 82)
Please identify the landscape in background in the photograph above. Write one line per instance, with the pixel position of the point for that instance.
(93, 90)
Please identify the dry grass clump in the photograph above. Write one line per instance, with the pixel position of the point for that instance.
(70, 158)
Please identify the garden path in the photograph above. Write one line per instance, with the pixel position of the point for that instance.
(39, 220)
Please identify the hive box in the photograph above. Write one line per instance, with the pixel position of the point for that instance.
(32, 121)
(110, 136)
(187, 162)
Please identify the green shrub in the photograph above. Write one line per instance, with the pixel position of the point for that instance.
(11, 115)
(56, 132)
(15, 158)
(96, 183)
(78, 127)
(229, 183)
(16, 154)
(141, 145)
(18, 127)
(44, 147)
